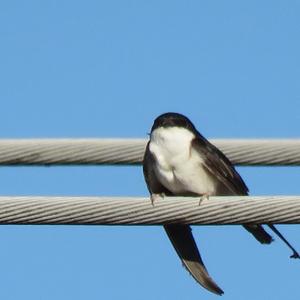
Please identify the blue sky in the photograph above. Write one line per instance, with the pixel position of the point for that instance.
(107, 69)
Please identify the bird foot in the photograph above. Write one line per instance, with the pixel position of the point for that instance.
(203, 197)
(155, 197)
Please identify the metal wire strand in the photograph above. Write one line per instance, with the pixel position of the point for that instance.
(130, 151)
(139, 211)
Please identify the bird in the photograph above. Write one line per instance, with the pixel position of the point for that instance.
(179, 161)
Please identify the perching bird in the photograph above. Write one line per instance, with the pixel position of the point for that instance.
(179, 161)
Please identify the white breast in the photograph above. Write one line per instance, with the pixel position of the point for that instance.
(178, 167)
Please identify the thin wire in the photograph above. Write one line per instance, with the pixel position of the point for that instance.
(130, 151)
(139, 211)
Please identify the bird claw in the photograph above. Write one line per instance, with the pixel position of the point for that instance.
(155, 197)
(203, 197)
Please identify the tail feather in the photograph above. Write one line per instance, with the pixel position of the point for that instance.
(259, 233)
(186, 248)
(277, 232)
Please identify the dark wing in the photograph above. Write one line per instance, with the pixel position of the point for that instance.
(219, 166)
(230, 182)
(154, 186)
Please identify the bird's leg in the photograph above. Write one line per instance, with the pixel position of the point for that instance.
(155, 197)
(204, 197)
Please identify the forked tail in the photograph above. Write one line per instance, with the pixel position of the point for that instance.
(186, 248)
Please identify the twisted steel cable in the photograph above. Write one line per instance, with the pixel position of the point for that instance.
(139, 211)
(130, 151)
